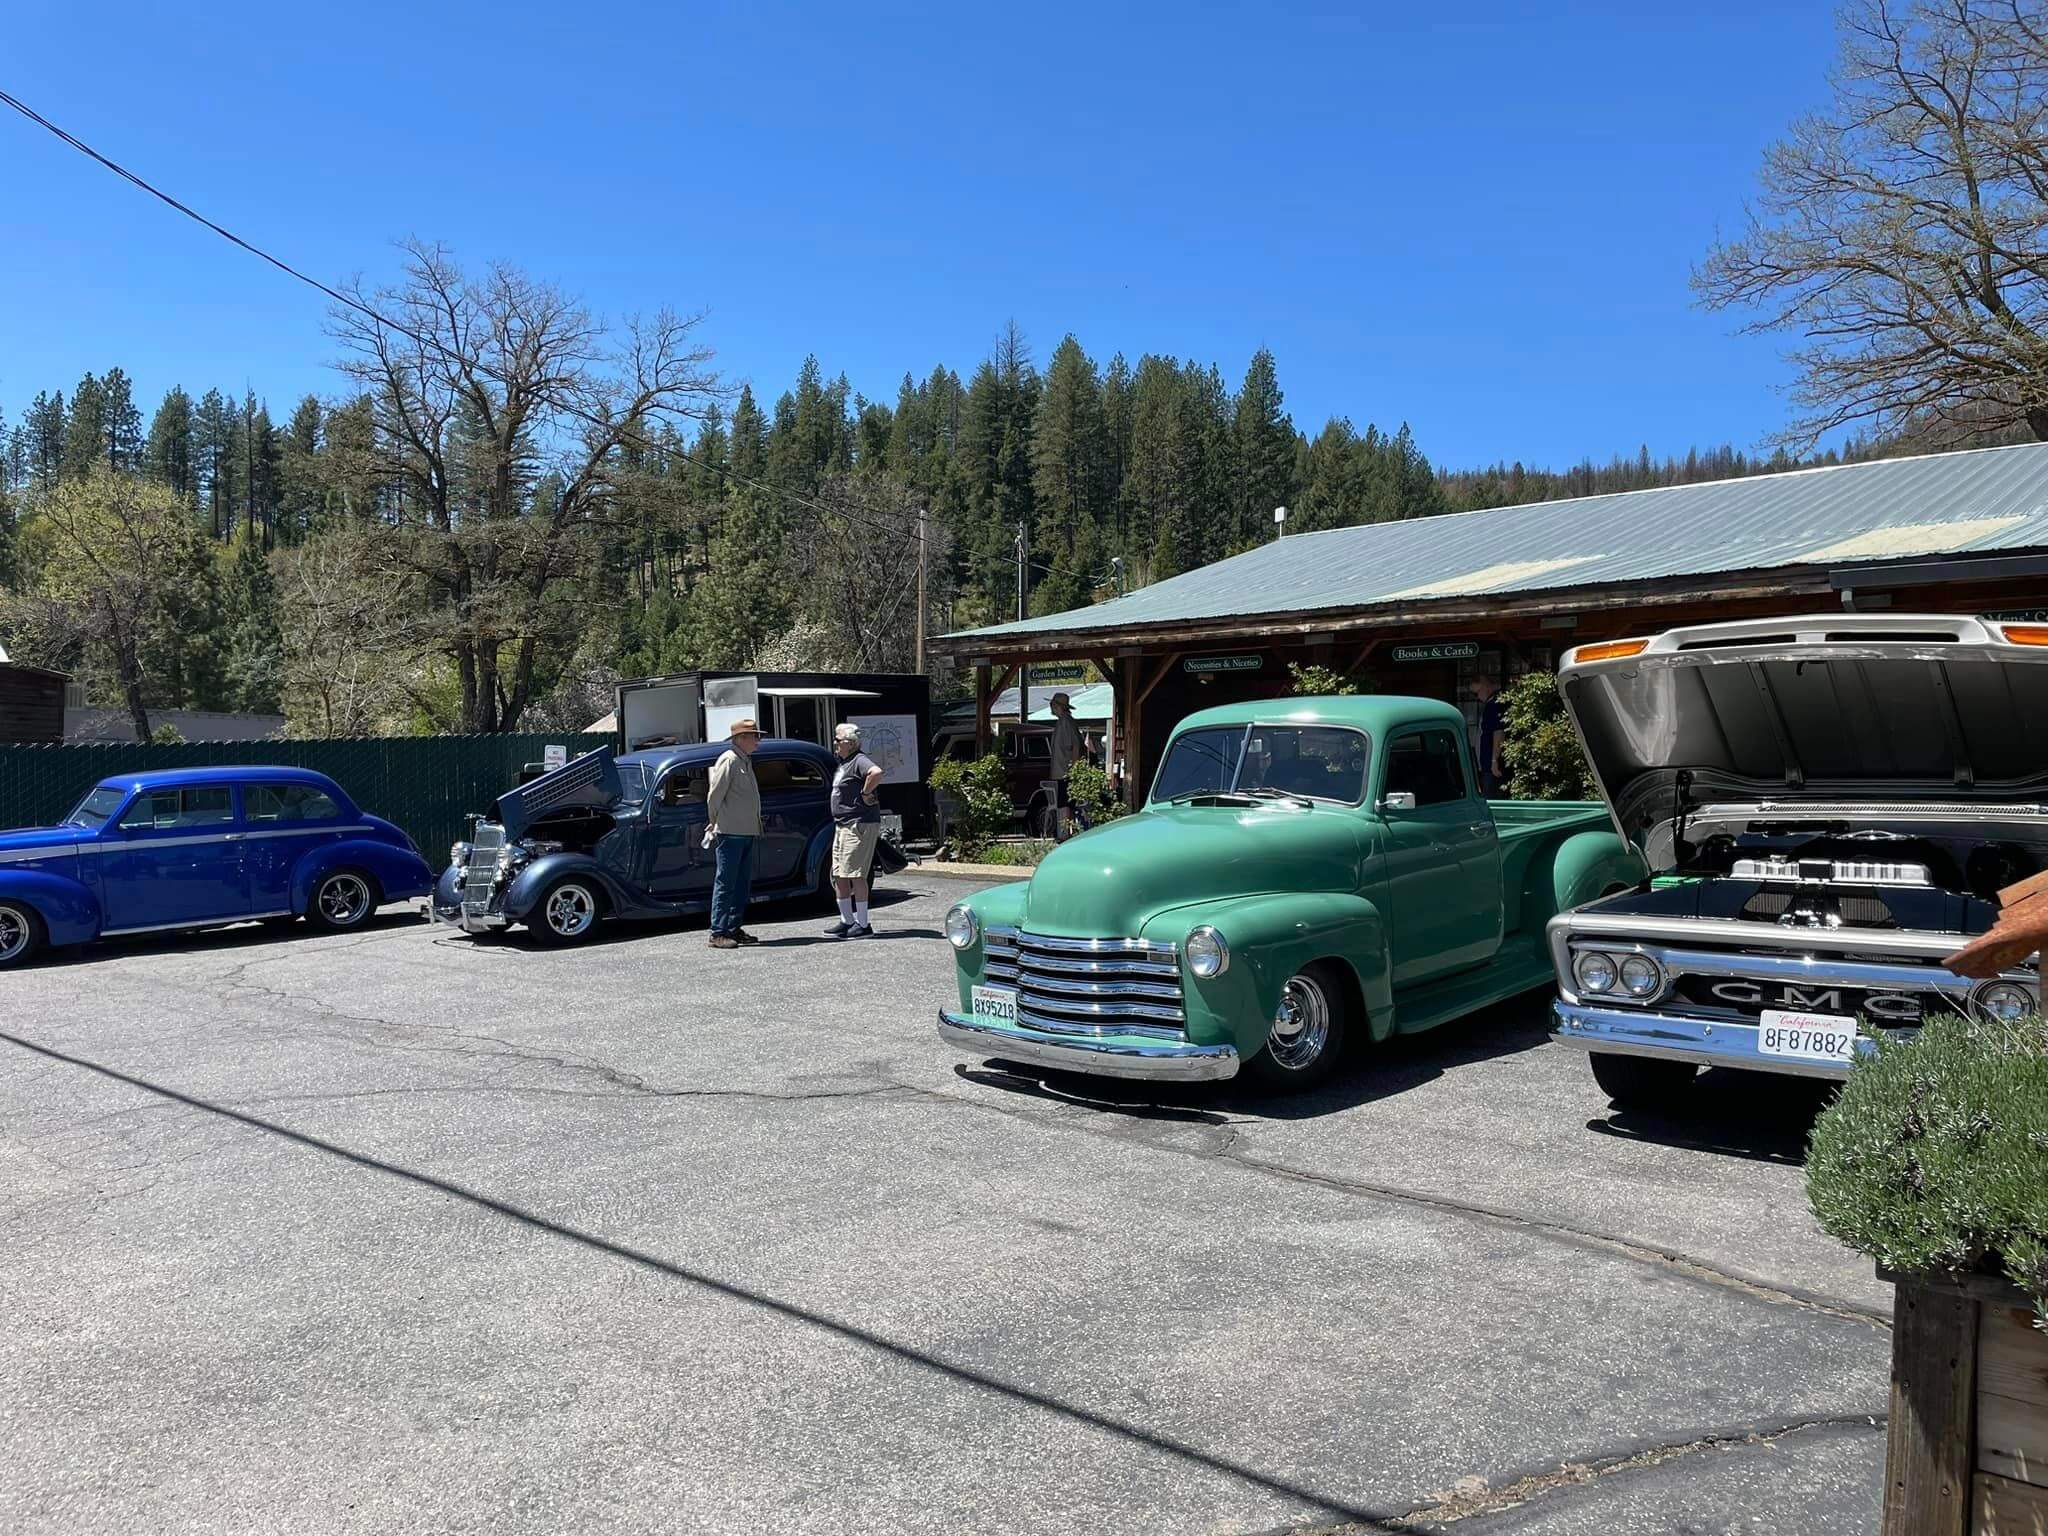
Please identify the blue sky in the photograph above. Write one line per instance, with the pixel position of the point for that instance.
(1463, 216)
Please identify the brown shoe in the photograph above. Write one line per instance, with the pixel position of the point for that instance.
(724, 941)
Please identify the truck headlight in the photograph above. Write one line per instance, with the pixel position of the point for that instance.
(1594, 971)
(1207, 954)
(2003, 1001)
(962, 928)
(1641, 976)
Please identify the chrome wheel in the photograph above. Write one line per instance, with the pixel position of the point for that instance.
(16, 934)
(569, 911)
(343, 900)
(1301, 1027)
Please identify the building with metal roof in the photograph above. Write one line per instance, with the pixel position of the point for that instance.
(1428, 606)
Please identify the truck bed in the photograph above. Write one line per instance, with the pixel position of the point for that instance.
(1529, 830)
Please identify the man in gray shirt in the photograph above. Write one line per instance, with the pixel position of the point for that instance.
(857, 826)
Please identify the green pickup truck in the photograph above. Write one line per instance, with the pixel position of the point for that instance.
(1309, 874)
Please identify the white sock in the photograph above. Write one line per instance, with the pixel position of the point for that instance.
(846, 909)
(860, 913)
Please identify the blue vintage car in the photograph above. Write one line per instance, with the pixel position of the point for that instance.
(623, 837)
(199, 848)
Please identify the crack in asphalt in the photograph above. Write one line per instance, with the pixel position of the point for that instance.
(1471, 1497)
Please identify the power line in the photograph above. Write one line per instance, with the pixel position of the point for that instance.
(351, 302)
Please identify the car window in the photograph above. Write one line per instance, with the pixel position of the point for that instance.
(686, 786)
(1200, 761)
(1323, 762)
(95, 808)
(1426, 765)
(288, 802)
(773, 773)
(202, 805)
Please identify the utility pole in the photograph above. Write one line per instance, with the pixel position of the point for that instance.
(920, 589)
(1023, 671)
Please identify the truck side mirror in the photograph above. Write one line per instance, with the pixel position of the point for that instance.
(1397, 800)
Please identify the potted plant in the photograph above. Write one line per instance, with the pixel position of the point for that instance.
(1934, 1161)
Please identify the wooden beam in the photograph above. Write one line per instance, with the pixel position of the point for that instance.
(1159, 676)
(1934, 1396)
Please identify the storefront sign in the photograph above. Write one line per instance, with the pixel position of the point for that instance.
(1058, 672)
(1224, 663)
(1447, 650)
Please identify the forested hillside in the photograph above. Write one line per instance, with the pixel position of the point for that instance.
(487, 523)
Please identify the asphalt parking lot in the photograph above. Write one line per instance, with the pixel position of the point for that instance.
(408, 1232)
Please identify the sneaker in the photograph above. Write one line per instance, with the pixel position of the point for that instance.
(744, 937)
(839, 930)
(724, 941)
(860, 931)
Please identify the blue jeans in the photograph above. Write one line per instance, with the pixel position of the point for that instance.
(732, 881)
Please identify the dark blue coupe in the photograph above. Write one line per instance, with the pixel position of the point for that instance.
(623, 837)
(199, 848)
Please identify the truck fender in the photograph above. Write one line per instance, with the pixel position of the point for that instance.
(69, 910)
(400, 873)
(526, 888)
(1586, 866)
(1270, 939)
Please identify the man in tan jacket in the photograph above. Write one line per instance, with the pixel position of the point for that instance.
(734, 810)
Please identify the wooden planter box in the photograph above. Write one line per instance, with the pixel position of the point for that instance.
(1968, 1448)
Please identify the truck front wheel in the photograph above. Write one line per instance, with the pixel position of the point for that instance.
(1641, 1082)
(1306, 1038)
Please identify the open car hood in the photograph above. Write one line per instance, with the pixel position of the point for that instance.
(1849, 709)
(592, 780)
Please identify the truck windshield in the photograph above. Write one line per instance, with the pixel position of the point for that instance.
(1318, 762)
(95, 808)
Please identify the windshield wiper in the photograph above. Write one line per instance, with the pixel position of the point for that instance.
(1209, 794)
(1277, 794)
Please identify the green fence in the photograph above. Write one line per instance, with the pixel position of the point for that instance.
(427, 784)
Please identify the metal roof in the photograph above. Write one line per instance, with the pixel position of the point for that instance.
(1986, 499)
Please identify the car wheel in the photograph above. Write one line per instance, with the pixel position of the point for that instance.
(342, 901)
(21, 934)
(1641, 1082)
(566, 913)
(1306, 1038)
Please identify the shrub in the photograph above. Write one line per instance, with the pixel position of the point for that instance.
(1539, 749)
(1935, 1157)
(1088, 788)
(1310, 679)
(980, 792)
(1025, 853)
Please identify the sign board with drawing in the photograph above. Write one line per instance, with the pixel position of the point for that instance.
(891, 740)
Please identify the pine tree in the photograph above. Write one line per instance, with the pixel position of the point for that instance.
(122, 422)
(45, 431)
(10, 544)
(744, 599)
(1068, 449)
(1265, 452)
(168, 456)
(301, 492)
(213, 451)
(85, 430)
(255, 646)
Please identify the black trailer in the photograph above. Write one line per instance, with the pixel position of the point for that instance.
(31, 704)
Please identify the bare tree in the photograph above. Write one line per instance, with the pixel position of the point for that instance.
(1904, 230)
(354, 636)
(502, 410)
(858, 567)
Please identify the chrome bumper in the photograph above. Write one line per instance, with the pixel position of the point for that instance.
(1633, 1032)
(1172, 1061)
(467, 921)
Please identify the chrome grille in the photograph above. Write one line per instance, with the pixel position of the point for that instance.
(1088, 986)
(480, 874)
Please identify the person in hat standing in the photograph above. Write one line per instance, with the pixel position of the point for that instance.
(734, 810)
(856, 827)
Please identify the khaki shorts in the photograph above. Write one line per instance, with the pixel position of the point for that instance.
(853, 850)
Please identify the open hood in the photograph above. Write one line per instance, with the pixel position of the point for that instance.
(592, 780)
(1855, 709)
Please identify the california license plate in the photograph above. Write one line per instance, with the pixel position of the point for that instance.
(1806, 1036)
(995, 1003)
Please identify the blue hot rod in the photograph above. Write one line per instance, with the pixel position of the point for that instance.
(200, 848)
(623, 837)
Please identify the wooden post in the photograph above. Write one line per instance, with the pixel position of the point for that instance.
(1141, 685)
(1934, 1396)
(982, 698)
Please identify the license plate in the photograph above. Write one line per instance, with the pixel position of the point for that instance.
(1807, 1036)
(995, 1003)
